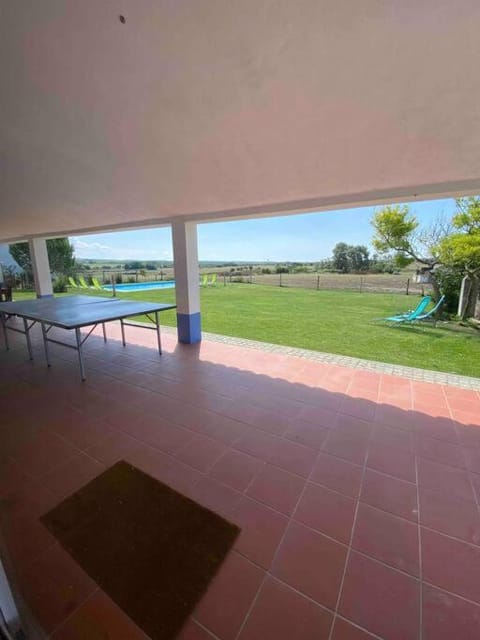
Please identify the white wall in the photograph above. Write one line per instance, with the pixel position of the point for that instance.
(220, 108)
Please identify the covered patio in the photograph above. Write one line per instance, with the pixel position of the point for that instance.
(356, 492)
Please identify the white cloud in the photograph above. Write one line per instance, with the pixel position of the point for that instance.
(80, 245)
(129, 251)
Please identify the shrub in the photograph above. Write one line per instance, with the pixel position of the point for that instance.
(60, 284)
(449, 280)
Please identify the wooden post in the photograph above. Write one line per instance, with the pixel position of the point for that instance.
(318, 283)
(280, 280)
(361, 284)
(136, 276)
(224, 280)
(408, 285)
(114, 291)
(463, 299)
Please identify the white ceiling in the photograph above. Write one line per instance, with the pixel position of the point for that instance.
(212, 109)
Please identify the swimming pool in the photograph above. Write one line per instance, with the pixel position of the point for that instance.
(142, 286)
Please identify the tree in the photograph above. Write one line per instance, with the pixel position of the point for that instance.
(60, 256)
(348, 257)
(398, 231)
(340, 257)
(133, 266)
(358, 258)
(21, 254)
(462, 249)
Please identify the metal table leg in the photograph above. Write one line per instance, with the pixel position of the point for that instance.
(104, 332)
(5, 332)
(123, 331)
(157, 324)
(27, 335)
(45, 344)
(78, 336)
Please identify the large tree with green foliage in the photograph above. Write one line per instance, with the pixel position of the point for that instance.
(348, 257)
(461, 249)
(340, 257)
(60, 255)
(397, 231)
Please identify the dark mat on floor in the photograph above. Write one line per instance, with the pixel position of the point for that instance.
(151, 549)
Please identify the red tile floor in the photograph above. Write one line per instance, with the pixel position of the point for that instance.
(357, 493)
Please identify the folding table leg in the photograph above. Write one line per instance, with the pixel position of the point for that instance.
(123, 332)
(5, 331)
(45, 344)
(104, 332)
(27, 335)
(157, 324)
(78, 336)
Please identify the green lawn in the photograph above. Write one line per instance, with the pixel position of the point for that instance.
(339, 322)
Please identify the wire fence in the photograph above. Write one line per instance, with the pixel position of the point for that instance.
(368, 283)
(363, 283)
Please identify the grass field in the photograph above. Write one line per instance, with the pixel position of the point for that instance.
(341, 322)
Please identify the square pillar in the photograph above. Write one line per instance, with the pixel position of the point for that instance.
(187, 284)
(41, 267)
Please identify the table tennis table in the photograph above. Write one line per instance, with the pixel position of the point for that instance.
(74, 313)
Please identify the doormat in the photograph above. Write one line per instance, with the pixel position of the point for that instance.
(152, 550)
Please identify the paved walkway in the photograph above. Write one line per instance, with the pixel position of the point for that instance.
(412, 373)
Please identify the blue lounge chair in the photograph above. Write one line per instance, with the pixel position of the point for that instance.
(412, 315)
(430, 315)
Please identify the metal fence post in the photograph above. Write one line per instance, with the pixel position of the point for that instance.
(408, 285)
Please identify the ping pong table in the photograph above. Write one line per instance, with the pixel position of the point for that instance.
(74, 313)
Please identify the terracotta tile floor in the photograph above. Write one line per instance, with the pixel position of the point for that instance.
(357, 493)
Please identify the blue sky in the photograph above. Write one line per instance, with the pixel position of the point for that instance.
(306, 237)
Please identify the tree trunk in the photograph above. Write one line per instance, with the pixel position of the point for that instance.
(469, 311)
(436, 289)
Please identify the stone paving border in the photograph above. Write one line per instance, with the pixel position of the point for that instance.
(424, 375)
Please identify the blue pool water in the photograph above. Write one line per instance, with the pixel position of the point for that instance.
(142, 286)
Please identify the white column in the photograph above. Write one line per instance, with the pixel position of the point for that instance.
(41, 267)
(185, 256)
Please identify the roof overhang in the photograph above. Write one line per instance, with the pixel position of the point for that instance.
(210, 111)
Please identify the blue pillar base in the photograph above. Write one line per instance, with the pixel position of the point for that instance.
(45, 295)
(189, 328)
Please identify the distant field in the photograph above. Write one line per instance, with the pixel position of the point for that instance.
(380, 283)
(342, 322)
